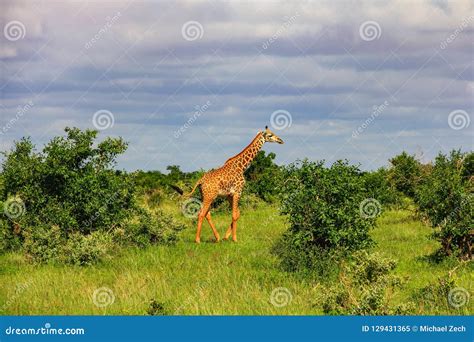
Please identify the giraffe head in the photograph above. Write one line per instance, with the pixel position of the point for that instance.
(271, 137)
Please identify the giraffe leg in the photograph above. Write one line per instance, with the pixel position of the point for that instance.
(235, 216)
(202, 213)
(229, 230)
(216, 234)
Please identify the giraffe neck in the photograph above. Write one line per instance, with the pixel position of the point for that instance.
(242, 160)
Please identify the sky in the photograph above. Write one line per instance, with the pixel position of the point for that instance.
(190, 83)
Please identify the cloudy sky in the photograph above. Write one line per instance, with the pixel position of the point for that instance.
(191, 83)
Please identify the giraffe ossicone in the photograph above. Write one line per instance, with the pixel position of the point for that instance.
(228, 180)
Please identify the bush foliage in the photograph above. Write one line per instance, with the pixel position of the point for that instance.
(366, 287)
(378, 186)
(323, 206)
(446, 198)
(405, 173)
(264, 177)
(62, 202)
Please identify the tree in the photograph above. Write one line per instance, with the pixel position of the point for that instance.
(446, 198)
(263, 176)
(405, 173)
(328, 213)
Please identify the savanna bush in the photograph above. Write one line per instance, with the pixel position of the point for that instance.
(366, 287)
(263, 177)
(62, 202)
(152, 228)
(378, 187)
(444, 294)
(70, 183)
(405, 173)
(446, 198)
(323, 207)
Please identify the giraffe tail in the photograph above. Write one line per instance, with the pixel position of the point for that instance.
(181, 192)
(194, 189)
(177, 189)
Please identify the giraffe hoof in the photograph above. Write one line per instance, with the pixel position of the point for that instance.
(198, 241)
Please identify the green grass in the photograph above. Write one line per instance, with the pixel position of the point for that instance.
(212, 279)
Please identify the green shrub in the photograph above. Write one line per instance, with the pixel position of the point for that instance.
(152, 228)
(263, 177)
(43, 243)
(405, 173)
(70, 183)
(378, 186)
(324, 210)
(67, 203)
(446, 199)
(443, 295)
(366, 287)
(154, 197)
(9, 240)
(86, 249)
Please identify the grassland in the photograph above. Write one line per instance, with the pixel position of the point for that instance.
(214, 279)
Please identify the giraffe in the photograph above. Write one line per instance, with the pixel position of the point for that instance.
(228, 180)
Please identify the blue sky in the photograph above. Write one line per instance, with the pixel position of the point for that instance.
(191, 83)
